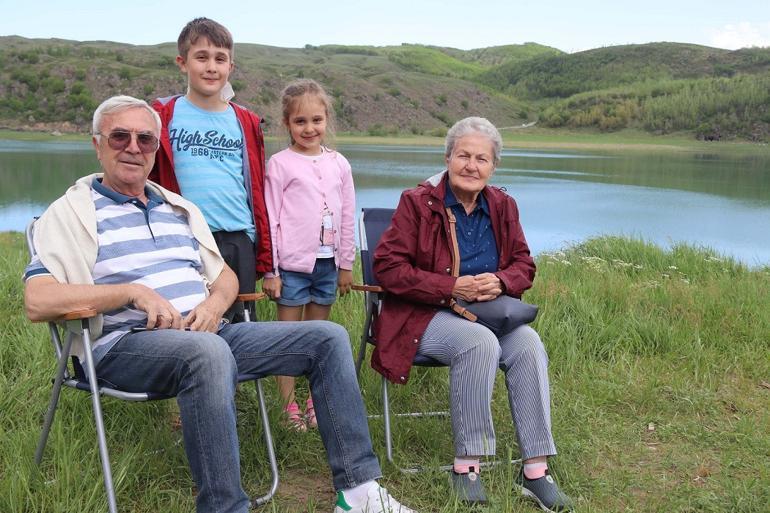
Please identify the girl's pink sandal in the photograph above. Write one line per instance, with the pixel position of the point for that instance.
(294, 419)
(312, 422)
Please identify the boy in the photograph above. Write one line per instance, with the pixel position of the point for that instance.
(212, 152)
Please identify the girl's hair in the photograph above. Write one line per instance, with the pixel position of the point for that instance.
(474, 125)
(292, 94)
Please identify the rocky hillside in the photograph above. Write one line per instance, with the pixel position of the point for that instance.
(56, 84)
(51, 84)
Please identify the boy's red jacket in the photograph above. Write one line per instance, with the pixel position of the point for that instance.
(254, 161)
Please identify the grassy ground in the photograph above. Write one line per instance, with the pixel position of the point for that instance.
(537, 138)
(660, 377)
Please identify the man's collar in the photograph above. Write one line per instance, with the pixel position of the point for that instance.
(121, 198)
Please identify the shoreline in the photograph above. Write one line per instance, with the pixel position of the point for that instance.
(539, 138)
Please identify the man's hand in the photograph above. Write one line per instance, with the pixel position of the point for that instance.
(205, 317)
(272, 287)
(208, 314)
(344, 281)
(160, 312)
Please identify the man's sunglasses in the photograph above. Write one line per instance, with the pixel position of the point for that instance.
(120, 139)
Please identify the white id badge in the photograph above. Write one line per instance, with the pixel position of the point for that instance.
(327, 228)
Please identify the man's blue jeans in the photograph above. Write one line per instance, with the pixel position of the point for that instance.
(201, 370)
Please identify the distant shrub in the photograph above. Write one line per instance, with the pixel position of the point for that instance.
(148, 90)
(27, 77)
(125, 73)
(57, 51)
(382, 131)
(441, 99)
(30, 56)
(343, 49)
(77, 88)
(443, 117)
(82, 101)
(438, 132)
(394, 91)
(377, 130)
(267, 96)
(54, 85)
(238, 85)
(163, 62)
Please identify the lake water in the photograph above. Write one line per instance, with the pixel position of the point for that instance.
(718, 201)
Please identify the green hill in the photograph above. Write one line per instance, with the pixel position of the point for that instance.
(53, 84)
(560, 76)
(417, 89)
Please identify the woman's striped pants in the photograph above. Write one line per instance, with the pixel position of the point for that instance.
(473, 354)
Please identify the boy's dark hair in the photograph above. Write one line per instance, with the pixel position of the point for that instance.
(216, 33)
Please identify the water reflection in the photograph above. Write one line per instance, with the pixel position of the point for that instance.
(565, 196)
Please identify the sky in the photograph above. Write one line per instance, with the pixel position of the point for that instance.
(570, 26)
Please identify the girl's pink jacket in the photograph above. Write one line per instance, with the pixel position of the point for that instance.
(295, 191)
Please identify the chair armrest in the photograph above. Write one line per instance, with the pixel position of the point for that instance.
(75, 315)
(367, 288)
(255, 296)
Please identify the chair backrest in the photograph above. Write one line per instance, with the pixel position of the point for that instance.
(371, 225)
(29, 233)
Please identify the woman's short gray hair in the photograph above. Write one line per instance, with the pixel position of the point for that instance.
(120, 103)
(474, 125)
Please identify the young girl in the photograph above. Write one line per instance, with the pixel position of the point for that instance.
(311, 204)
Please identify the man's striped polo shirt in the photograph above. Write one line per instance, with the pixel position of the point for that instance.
(147, 244)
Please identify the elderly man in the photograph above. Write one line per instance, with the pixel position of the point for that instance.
(145, 259)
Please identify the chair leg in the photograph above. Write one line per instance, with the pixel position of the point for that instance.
(97, 407)
(386, 415)
(364, 335)
(270, 448)
(61, 368)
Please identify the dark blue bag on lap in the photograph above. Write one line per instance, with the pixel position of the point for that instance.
(501, 315)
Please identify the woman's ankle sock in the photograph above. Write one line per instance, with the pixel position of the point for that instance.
(535, 470)
(464, 465)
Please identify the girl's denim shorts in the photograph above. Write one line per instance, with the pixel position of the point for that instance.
(319, 287)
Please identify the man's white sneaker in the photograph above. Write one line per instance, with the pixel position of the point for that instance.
(378, 501)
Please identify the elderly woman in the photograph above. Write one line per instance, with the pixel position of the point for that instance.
(413, 262)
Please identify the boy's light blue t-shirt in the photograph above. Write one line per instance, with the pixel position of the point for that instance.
(208, 163)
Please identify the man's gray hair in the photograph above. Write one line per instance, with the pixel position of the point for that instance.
(118, 104)
(471, 126)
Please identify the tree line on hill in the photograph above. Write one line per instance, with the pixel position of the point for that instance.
(658, 87)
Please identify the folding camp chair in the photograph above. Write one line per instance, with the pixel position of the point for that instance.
(371, 225)
(84, 379)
